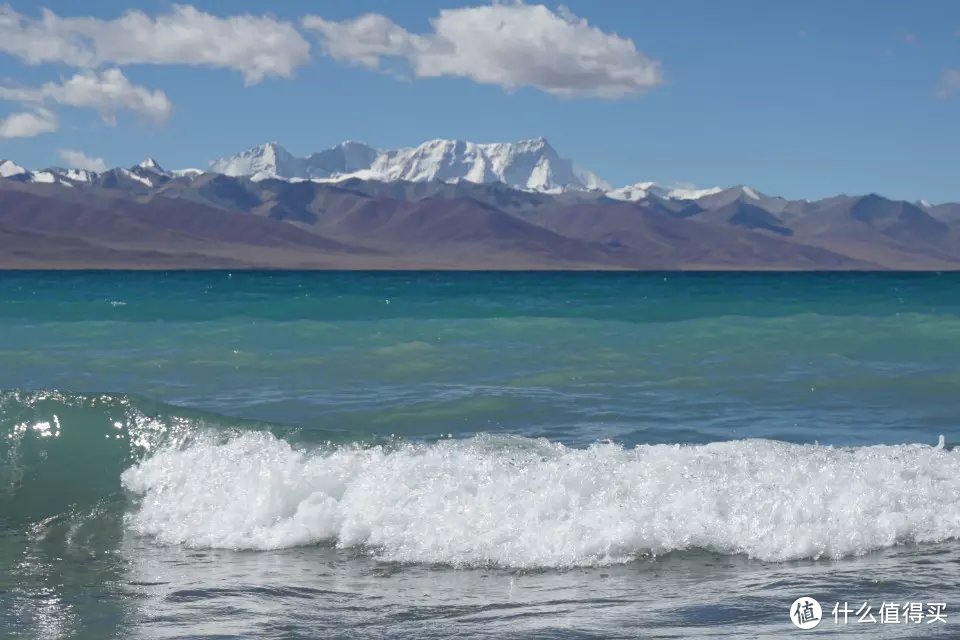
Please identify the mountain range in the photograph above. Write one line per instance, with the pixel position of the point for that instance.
(529, 164)
(443, 205)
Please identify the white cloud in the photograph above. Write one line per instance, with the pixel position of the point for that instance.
(80, 160)
(106, 91)
(949, 83)
(367, 39)
(28, 124)
(256, 46)
(509, 45)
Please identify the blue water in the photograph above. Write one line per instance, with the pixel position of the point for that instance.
(505, 454)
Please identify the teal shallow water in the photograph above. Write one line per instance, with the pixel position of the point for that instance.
(217, 454)
(841, 359)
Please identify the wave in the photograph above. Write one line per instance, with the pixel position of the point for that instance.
(62, 450)
(197, 479)
(523, 503)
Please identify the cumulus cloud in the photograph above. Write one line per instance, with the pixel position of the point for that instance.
(28, 124)
(256, 46)
(949, 83)
(79, 160)
(106, 91)
(509, 45)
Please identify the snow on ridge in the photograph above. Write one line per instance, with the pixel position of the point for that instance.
(151, 165)
(692, 193)
(642, 190)
(528, 164)
(9, 168)
(633, 192)
(78, 175)
(43, 177)
(133, 176)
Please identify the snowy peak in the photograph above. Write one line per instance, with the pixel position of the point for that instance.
(12, 171)
(9, 168)
(529, 164)
(345, 158)
(532, 165)
(744, 195)
(268, 160)
(149, 173)
(151, 165)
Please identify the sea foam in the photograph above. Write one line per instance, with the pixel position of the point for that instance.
(516, 502)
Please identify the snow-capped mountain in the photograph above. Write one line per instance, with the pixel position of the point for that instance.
(643, 190)
(270, 160)
(9, 168)
(12, 171)
(152, 166)
(77, 175)
(344, 159)
(263, 161)
(530, 164)
(148, 173)
(744, 195)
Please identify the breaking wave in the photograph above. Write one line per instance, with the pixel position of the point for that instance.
(192, 478)
(523, 503)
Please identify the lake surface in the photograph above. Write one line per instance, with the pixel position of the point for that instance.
(423, 455)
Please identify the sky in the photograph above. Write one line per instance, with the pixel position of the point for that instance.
(799, 99)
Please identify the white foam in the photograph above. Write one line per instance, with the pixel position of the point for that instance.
(530, 503)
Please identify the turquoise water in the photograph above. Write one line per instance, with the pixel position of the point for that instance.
(429, 454)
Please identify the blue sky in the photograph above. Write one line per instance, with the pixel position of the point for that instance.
(796, 99)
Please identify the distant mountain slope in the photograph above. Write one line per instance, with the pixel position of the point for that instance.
(129, 231)
(678, 242)
(895, 233)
